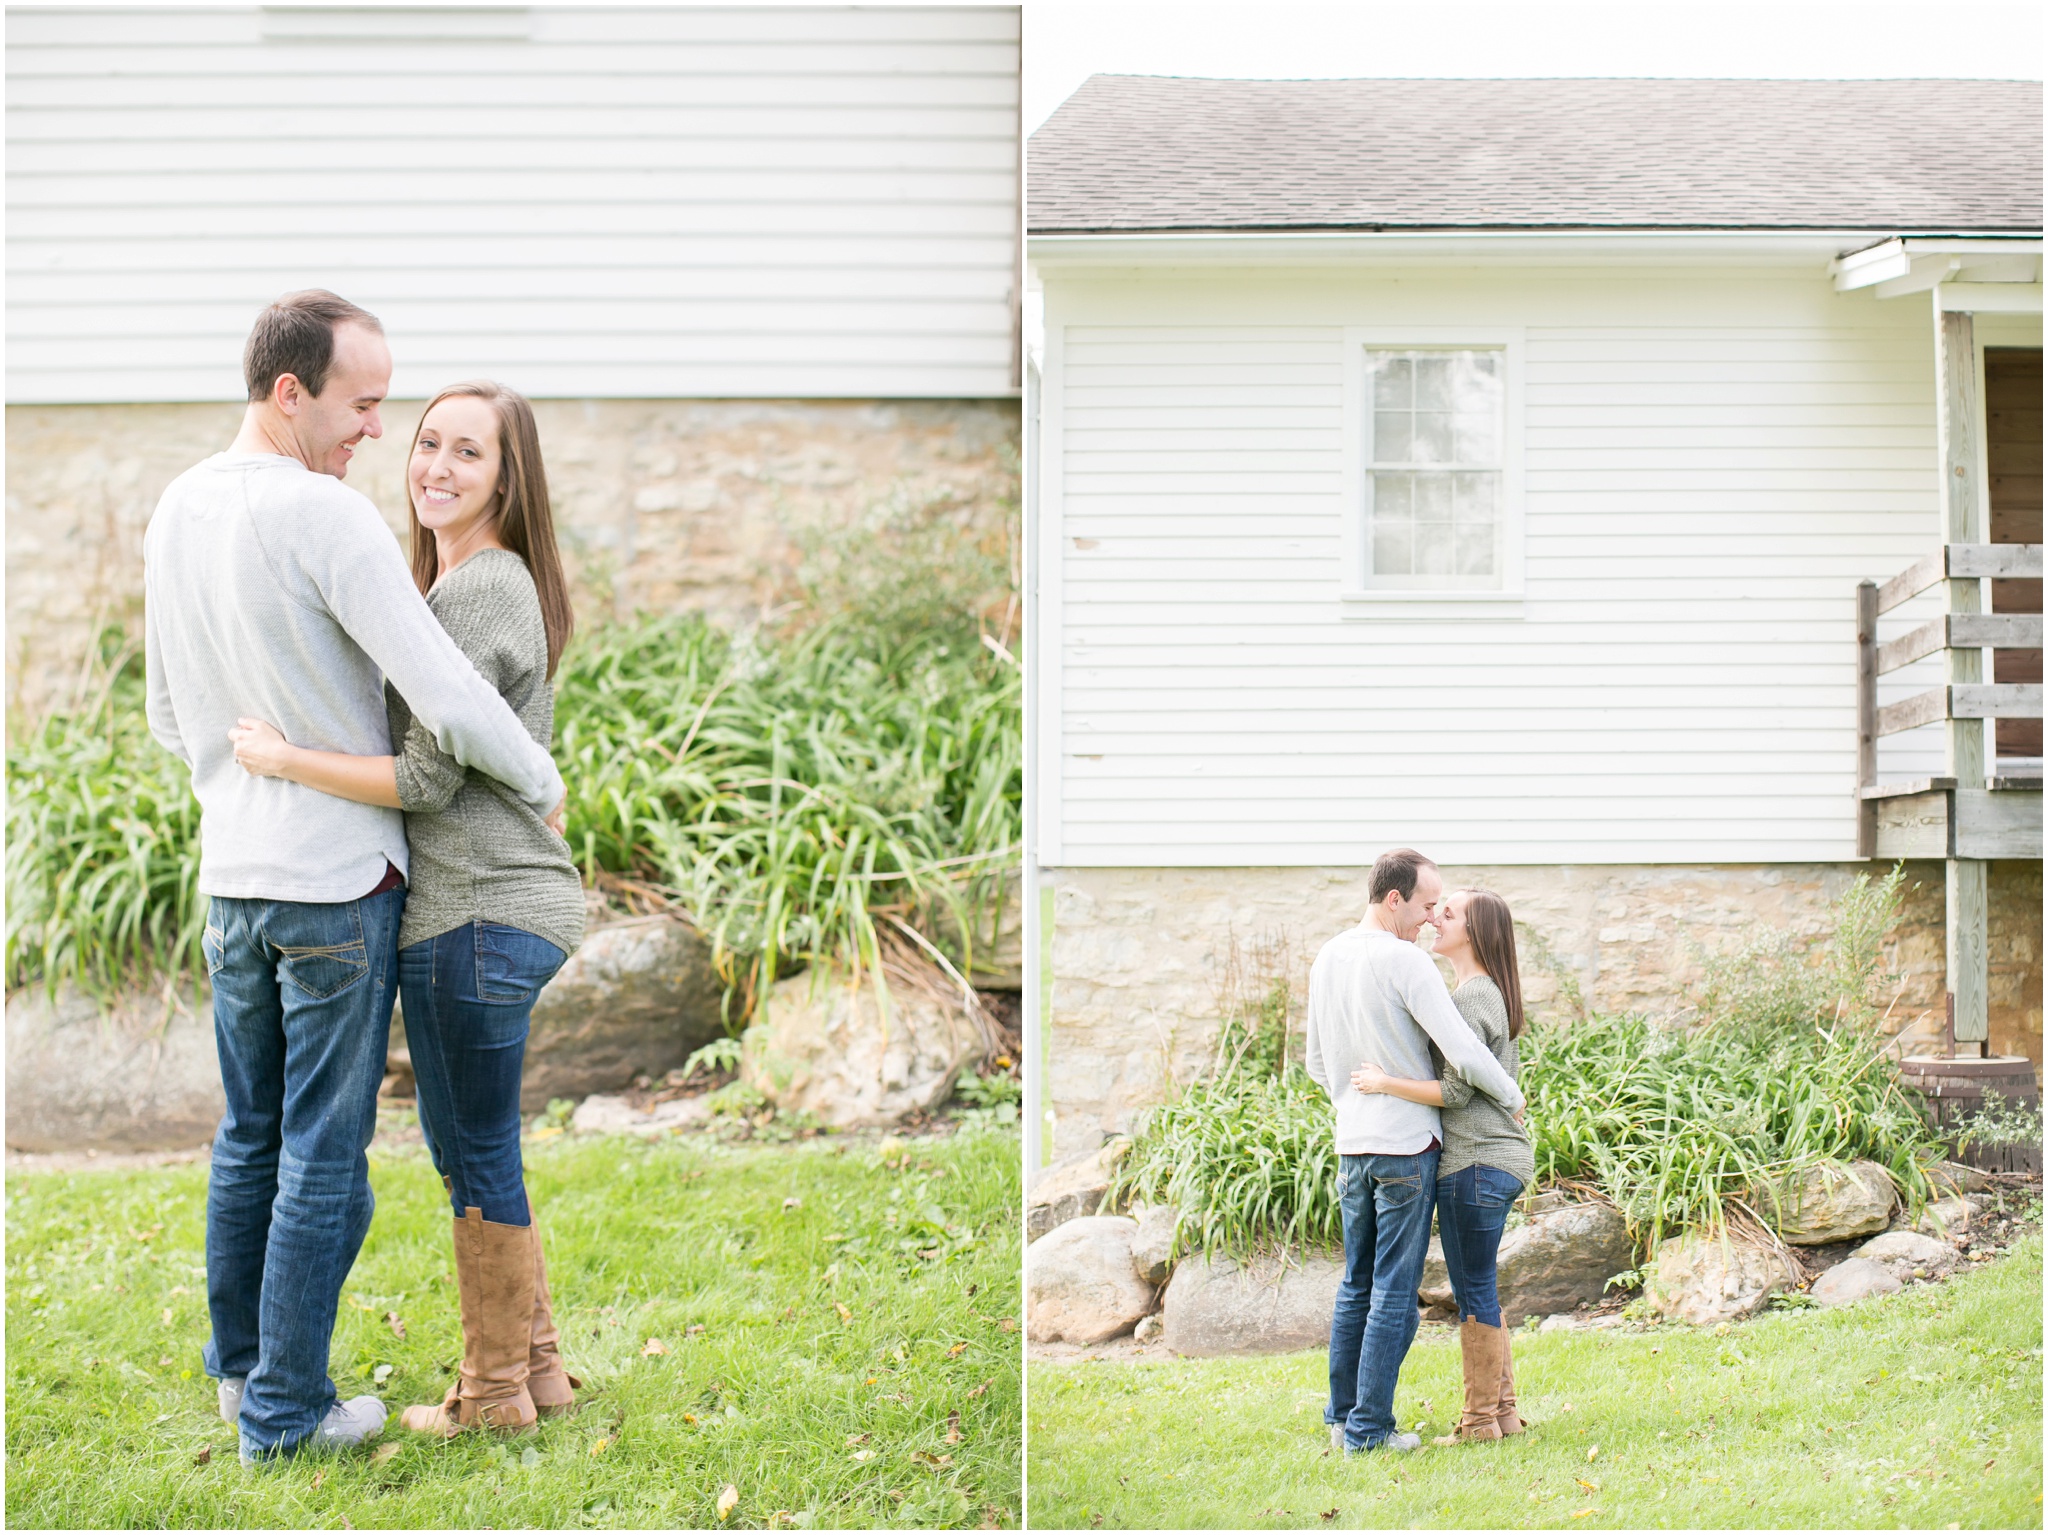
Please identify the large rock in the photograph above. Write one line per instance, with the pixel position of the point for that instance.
(1948, 1218)
(1908, 1254)
(1704, 1279)
(1072, 1188)
(1216, 1307)
(1152, 1245)
(637, 997)
(832, 1049)
(1835, 1202)
(1079, 1284)
(1852, 1280)
(124, 1077)
(1550, 1264)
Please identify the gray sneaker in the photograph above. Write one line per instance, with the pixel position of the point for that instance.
(351, 1423)
(230, 1395)
(347, 1424)
(1398, 1442)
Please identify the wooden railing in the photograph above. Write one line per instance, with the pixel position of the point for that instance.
(1948, 631)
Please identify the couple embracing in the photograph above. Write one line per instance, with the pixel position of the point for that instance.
(1428, 1118)
(379, 815)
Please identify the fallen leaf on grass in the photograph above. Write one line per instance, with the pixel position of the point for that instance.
(980, 1390)
(380, 1375)
(845, 1315)
(792, 1203)
(1588, 1484)
(728, 1501)
(1593, 1454)
(863, 1455)
(654, 1346)
(926, 1458)
(205, 1454)
(598, 1448)
(396, 1323)
(1008, 1324)
(385, 1452)
(1327, 1515)
(1990, 1463)
(693, 1329)
(1580, 1513)
(318, 1478)
(953, 1434)
(956, 1350)
(853, 1439)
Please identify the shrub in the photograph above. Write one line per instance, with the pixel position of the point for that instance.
(788, 792)
(102, 840)
(1681, 1129)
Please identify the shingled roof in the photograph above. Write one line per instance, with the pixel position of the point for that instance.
(1135, 152)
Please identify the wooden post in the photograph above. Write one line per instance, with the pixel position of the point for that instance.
(1866, 716)
(1955, 358)
(1968, 961)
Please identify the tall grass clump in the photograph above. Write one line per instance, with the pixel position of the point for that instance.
(1783, 1068)
(794, 794)
(1244, 1153)
(799, 792)
(102, 839)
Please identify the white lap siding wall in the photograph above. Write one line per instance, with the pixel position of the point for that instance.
(649, 202)
(1711, 461)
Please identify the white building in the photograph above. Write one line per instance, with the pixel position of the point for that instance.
(1490, 467)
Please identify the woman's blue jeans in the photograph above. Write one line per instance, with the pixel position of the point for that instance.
(1471, 1212)
(469, 996)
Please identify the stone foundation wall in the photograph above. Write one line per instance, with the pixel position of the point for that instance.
(661, 505)
(1143, 960)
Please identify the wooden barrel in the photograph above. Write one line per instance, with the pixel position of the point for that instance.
(1953, 1089)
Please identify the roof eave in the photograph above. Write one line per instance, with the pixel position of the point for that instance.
(1299, 246)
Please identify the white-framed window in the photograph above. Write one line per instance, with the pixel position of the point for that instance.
(1433, 514)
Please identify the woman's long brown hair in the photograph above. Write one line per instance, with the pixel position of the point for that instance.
(1492, 929)
(526, 522)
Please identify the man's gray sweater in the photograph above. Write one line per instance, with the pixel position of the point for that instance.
(278, 593)
(1372, 997)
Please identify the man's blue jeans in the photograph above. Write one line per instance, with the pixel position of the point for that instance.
(302, 997)
(1471, 1212)
(469, 996)
(1386, 1204)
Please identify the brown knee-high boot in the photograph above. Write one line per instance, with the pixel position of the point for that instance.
(494, 1273)
(1479, 1348)
(1507, 1417)
(551, 1386)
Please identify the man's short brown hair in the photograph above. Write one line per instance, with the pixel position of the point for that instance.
(295, 335)
(1398, 870)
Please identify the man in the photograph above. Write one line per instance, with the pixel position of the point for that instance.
(274, 591)
(1373, 995)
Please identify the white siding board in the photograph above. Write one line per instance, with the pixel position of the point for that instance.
(836, 185)
(1703, 490)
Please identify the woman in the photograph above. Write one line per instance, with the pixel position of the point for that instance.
(495, 905)
(1487, 1159)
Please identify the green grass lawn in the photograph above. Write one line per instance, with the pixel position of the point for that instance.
(1922, 1409)
(836, 1323)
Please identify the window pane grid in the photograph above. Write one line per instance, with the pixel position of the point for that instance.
(1433, 484)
